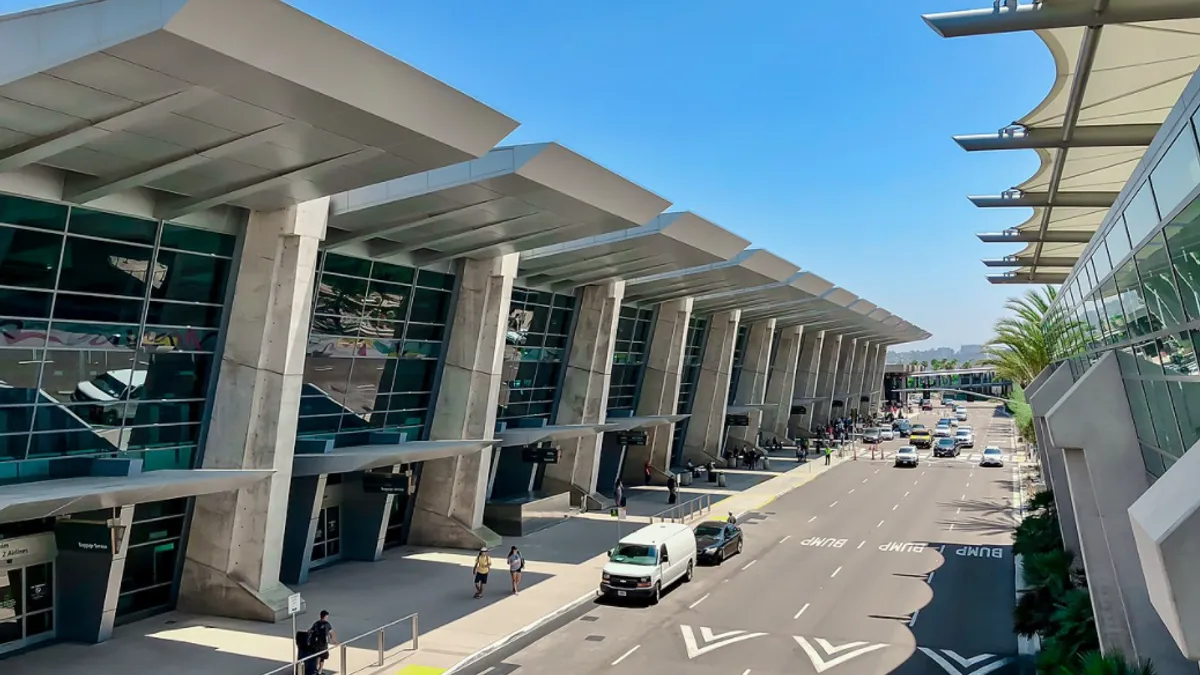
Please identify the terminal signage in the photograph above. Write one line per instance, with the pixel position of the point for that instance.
(388, 483)
(737, 420)
(87, 537)
(536, 455)
(631, 437)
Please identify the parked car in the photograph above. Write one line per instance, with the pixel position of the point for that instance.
(113, 395)
(907, 456)
(648, 560)
(992, 456)
(716, 541)
(945, 447)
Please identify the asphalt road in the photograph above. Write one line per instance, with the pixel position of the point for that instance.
(869, 569)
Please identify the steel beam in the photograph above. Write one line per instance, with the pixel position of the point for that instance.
(1026, 236)
(1029, 278)
(1047, 15)
(1047, 261)
(1099, 136)
(1035, 199)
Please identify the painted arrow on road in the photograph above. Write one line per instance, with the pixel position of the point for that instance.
(852, 649)
(712, 641)
(965, 663)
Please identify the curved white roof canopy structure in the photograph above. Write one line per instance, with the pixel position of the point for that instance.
(513, 199)
(195, 104)
(1120, 67)
(748, 269)
(671, 242)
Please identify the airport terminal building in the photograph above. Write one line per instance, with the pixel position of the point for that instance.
(259, 317)
(1116, 224)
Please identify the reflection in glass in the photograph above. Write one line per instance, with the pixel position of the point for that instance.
(1183, 240)
(1177, 173)
(1141, 215)
(1186, 399)
(1117, 241)
(1158, 284)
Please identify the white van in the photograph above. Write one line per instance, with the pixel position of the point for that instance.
(649, 560)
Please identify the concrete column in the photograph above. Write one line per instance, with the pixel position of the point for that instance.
(1043, 398)
(827, 369)
(841, 387)
(706, 428)
(453, 490)
(752, 385)
(659, 393)
(584, 392)
(858, 372)
(806, 382)
(235, 541)
(781, 384)
(872, 386)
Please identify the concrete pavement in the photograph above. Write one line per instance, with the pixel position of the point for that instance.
(871, 569)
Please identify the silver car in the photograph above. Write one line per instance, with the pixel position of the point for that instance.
(992, 456)
(907, 456)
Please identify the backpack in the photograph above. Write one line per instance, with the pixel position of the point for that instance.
(318, 635)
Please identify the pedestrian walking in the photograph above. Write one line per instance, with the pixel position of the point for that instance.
(320, 637)
(516, 565)
(648, 471)
(483, 565)
(828, 456)
(619, 493)
(672, 485)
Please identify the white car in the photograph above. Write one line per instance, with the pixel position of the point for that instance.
(886, 434)
(992, 456)
(964, 438)
(960, 415)
(907, 456)
(113, 394)
(942, 430)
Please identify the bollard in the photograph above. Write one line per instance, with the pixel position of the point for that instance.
(721, 480)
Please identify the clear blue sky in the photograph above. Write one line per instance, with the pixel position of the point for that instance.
(819, 130)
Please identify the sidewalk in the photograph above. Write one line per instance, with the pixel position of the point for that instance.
(562, 572)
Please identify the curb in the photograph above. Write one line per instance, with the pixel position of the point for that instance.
(509, 639)
(1026, 646)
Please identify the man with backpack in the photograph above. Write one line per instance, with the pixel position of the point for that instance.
(320, 637)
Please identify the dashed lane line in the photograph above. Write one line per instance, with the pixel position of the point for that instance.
(702, 599)
(801, 611)
(626, 654)
(860, 545)
(833, 504)
(785, 538)
(835, 572)
(906, 494)
(851, 491)
(895, 507)
(812, 519)
(879, 525)
(748, 565)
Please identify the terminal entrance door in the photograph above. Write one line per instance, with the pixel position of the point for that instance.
(26, 606)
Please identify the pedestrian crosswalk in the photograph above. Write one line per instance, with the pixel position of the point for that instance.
(927, 456)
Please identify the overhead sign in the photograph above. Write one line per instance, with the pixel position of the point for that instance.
(737, 420)
(87, 537)
(34, 547)
(535, 455)
(637, 437)
(388, 483)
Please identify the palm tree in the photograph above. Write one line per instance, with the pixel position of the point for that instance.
(924, 365)
(966, 365)
(1113, 663)
(1029, 340)
(935, 364)
(950, 364)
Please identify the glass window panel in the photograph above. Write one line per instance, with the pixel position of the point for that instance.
(71, 439)
(341, 296)
(162, 459)
(32, 304)
(112, 226)
(79, 307)
(367, 378)
(164, 435)
(1117, 241)
(1100, 262)
(91, 266)
(32, 213)
(181, 339)
(430, 306)
(1178, 357)
(1153, 460)
(1140, 410)
(1183, 242)
(1177, 173)
(183, 314)
(349, 266)
(396, 274)
(1137, 318)
(431, 279)
(1141, 215)
(1186, 399)
(196, 278)
(1162, 300)
(347, 326)
(1114, 314)
(1165, 427)
(29, 258)
(196, 240)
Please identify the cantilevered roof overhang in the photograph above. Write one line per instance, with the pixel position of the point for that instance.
(748, 269)
(1120, 67)
(365, 457)
(669, 243)
(514, 199)
(1026, 276)
(64, 496)
(213, 102)
(802, 287)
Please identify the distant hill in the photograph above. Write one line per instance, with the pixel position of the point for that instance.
(964, 353)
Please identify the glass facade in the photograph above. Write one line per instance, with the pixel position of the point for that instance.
(629, 358)
(373, 348)
(152, 559)
(108, 328)
(739, 360)
(539, 324)
(693, 356)
(1147, 309)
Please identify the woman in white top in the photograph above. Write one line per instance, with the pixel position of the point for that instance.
(516, 563)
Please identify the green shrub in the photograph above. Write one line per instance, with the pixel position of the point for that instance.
(1041, 503)
(1037, 534)
(1113, 663)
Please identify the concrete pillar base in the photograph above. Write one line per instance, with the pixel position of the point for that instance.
(435, 529)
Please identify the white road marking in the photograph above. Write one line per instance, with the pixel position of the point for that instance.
(951, 526)
(942, 548)
(851, 491)
(958, 511)
(906, 494)
(913, 621)
(625, 655)
(922, 473)
(785, 538)
(821, 665)
(801, 611)
(929, 579)
(812, 519)
(876, 470)
(746, 672)
(879, 525)
(895, 507)
(915, 482)
(866, 479)
(971, 475)
(833, 504)
(712, 641)
(968, 485)
(860, 545)
(489, 669)
(835, 573)
(693, 605)
(748, 565)
(964, 496)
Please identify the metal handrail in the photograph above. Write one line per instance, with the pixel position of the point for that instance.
(684, 512)
(293, 667)
(380, 644)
